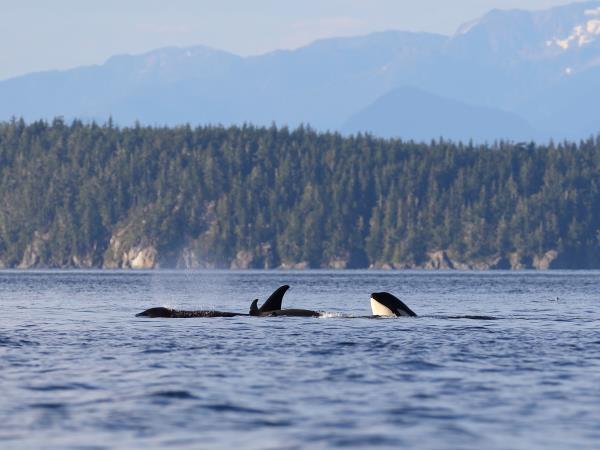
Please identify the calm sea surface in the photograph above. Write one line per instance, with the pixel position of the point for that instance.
(79, 370)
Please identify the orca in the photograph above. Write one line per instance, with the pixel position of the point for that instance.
(272, 307)
(178, 314)
(384, 304)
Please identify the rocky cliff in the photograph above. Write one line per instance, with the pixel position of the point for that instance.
(126, 250)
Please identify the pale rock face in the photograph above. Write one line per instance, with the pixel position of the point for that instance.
(515, 262)
(85, 261)
(188, 259)
(338, 264)
(31, 257)
(124, 254)
(545, 261)
(243, 260)
(142, 258)
(291, 266)
(439, 261)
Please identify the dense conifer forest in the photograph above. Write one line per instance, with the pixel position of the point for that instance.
(88, 195)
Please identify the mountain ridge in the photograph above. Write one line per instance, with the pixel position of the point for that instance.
(505, 61)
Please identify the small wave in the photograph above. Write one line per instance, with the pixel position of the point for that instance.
(180, 395)
(48, 405)
(419, 412)
(467, 317)
(365, 441)
(340, 315)
(419, 364)
(346, 344)
(62, 387)
(225, 407)
(10, 437)
(159, 350)
(16, 343)
(473, 317)
(271, 423)
(335, 315)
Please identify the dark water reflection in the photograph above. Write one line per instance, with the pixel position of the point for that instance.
(79, 370)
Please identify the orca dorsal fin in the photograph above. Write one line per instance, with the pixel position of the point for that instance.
(273, 303)
(254, 307)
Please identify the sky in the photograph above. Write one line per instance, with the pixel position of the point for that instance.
(40, 35)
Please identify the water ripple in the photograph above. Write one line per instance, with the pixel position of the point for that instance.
(78, 370)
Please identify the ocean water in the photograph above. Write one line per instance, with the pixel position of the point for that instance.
(79, 370)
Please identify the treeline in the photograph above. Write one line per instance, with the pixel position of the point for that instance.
(83, 195)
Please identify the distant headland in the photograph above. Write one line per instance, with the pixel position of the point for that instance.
(75, 195)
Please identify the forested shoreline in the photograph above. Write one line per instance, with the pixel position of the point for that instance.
(77, 195)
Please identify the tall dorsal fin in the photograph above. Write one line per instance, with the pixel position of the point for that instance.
(274, 302)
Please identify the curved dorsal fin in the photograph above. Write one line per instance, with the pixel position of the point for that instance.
(254, 307)
(274, 302)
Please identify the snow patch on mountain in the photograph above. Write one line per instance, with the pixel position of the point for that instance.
(466, 27)
(580, 36)
(592, 12)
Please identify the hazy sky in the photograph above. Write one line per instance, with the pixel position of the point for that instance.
(42, 34)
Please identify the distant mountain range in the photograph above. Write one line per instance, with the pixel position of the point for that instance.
(512, 74)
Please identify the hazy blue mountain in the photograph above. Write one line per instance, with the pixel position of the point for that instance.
(412, 113)
(539, 65)
(507, 55)
(569, 108)
(329, 80)
(320, 84)
(161, 86)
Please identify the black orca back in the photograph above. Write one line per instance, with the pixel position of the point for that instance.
(178, 314)
(156, 312)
